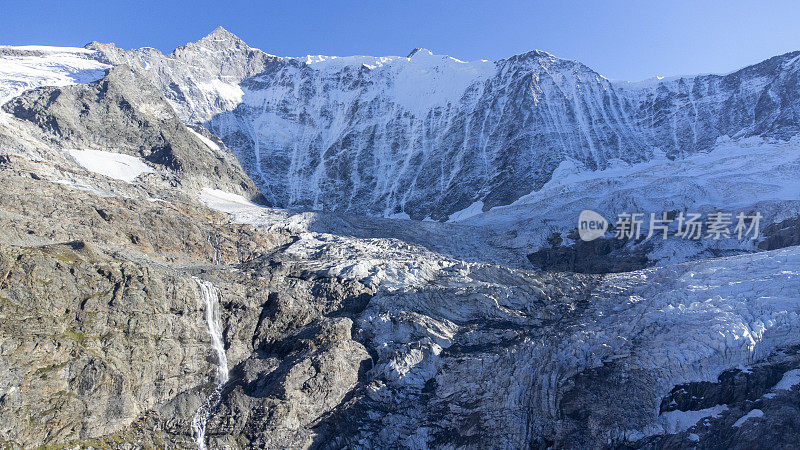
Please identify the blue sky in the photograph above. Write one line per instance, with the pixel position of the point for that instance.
(622, 40)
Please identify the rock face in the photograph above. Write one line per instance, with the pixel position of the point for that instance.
(91, 342)
(349, 331)
(199, 79)
(125, 113)
(428, 135)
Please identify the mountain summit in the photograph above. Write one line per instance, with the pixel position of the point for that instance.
(221, 35)
(423, 51)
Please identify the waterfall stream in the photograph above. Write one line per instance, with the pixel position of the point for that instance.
(210, 296)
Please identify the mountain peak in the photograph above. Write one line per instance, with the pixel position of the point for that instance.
(421, 51)
(220, 34)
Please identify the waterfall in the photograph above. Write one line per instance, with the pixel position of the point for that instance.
(210, 296)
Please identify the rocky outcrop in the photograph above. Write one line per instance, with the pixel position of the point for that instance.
(124, 113)
(92, 341)
(598, 256)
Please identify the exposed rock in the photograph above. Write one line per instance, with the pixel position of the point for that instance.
(91, 342)
(124, 113)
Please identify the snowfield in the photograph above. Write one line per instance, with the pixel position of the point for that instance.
(113, 165)
(28, 67)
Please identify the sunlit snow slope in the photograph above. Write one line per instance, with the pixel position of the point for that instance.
(23, 68)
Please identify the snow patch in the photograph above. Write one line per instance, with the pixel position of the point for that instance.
(222, 200)
(756, 413)
(789, 380)
(680, 421)
(113, 165)
(470, 211)
(209, 143)
(400, 215)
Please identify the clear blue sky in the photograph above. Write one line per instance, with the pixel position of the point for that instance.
(627, 40)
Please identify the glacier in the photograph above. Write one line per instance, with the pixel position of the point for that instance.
(383, 287)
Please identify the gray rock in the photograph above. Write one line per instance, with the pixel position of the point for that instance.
(124, 113)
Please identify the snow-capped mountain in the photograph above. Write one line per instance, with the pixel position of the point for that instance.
(426, 136)
(147, 302)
